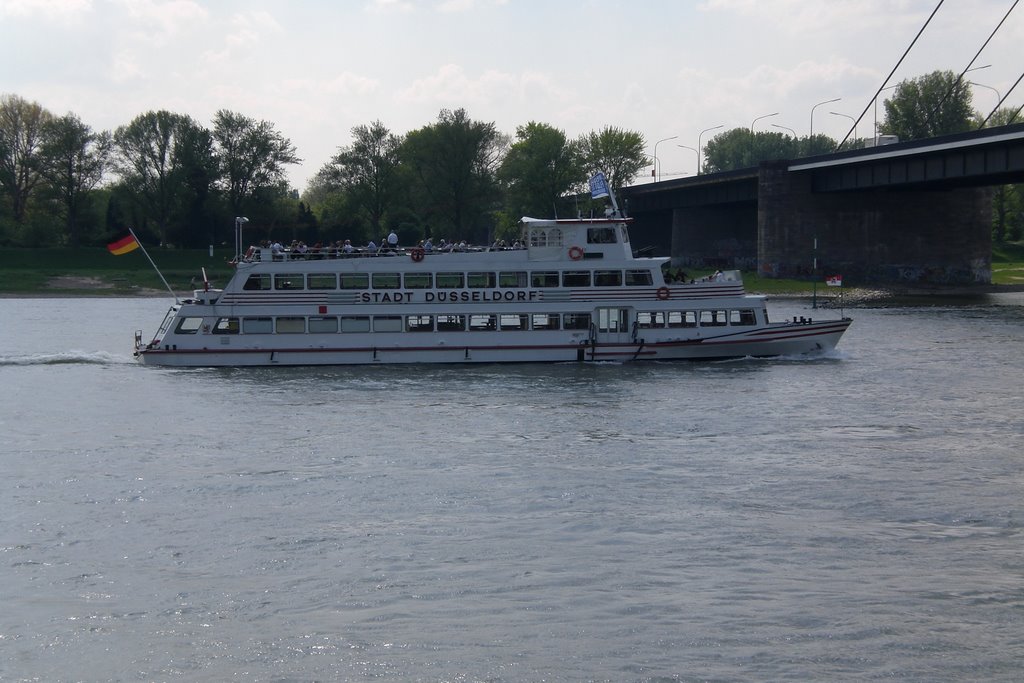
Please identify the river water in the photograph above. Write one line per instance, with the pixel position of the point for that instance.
(853, 517)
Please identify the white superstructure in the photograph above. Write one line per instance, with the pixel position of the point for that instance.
(574, 292)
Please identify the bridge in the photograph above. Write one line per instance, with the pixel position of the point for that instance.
(914, 212)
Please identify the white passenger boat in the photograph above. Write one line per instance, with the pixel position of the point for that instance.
(574, 292)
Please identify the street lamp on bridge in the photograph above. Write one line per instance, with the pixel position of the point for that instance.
(815, 107)
(999, 98)
(836, 113)
(791, 131)
(656, 172)
(695, 152)
(766, 116)
(699, 147)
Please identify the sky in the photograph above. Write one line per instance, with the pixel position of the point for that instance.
(668, 69)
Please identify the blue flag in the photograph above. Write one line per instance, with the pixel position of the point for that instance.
(598, 186)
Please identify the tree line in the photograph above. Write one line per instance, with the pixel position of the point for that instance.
(458, 178)
(178, 182)
(174, 180)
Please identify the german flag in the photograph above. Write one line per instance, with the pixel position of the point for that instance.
(123, 245)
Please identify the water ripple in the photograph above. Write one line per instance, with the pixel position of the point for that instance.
(67, 358)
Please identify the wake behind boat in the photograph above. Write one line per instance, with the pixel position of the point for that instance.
(573, 292)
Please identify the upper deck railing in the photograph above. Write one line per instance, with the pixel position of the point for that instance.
(255, 253)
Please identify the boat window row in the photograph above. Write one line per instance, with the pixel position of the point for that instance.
(719, 317)
(449, 280)
(456, 322)
(553, 237)
(445, 322)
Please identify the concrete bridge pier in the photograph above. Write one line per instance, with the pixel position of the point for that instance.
(913, 236)
(719, 236)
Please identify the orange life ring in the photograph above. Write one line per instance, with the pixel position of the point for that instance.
(249, 252)
(417, 254)
(575, 253)
(663, 293)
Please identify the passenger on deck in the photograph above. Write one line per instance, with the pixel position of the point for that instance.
(371, 247)
(347, 247)
(392, 241)
(428, 245)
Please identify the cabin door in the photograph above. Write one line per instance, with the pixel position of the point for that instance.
(613, 326)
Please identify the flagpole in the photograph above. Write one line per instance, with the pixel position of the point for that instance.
(814, 275)
(136, 237)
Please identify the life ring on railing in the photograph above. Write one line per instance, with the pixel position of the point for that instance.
(663, 293)
(417, 254)
(249, 252)
(575, 253)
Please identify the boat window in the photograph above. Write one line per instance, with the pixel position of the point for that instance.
(480, 280)
(544, 279)
(419, 323)
(601, 235)
(451, 323)
(682, 319)
(226, 326)
(480, 321)
(322, 281)
(514, 321)
(257, 282)
(257, 325)
(387, 281)
(607, 278)
(451, 280)
(419, 280)
(513, 279)
(648, 319)
(387, 323)
(638, 278)
(189, 325)
(576, 278)
(576, 321)
(355, 281)
(355, 323)
(545, 237)
(742, 317)
(291, 324)
(713, 318)
(323, 323)
(289, 281)
(546, 321)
